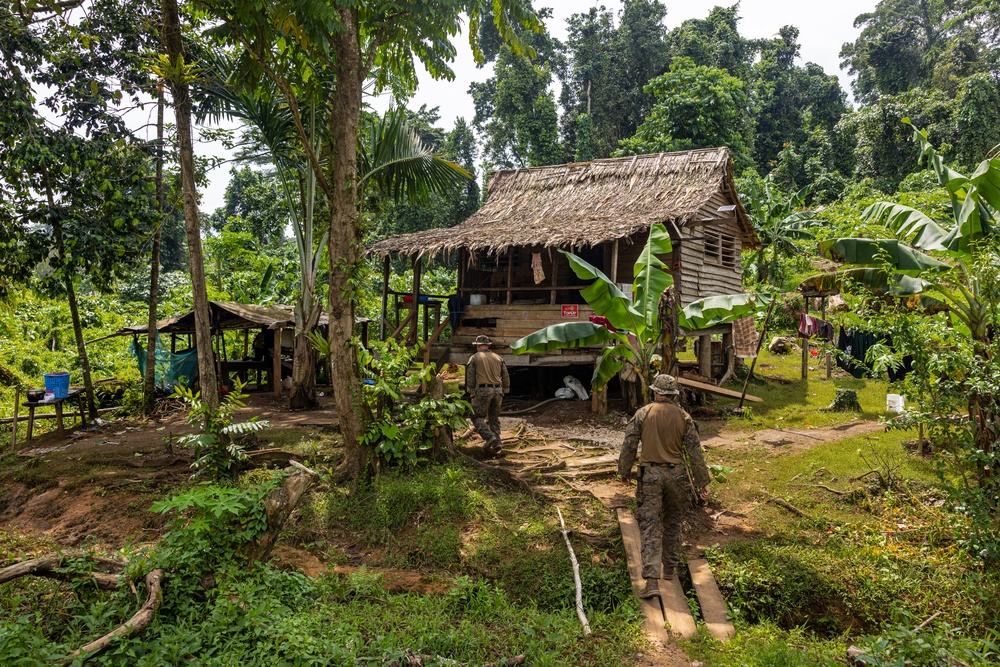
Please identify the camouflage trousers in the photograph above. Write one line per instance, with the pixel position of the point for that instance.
(663, 497)
(486, 415)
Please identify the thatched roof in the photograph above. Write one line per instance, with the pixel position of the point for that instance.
(228, 315)
(585, 204)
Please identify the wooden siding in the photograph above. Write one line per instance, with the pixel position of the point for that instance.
(505, 324)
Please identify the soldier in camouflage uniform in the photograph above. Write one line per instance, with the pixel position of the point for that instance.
(672, 472)
(487, 381)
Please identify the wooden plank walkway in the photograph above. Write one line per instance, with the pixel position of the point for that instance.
(652, 614)
(713, 607)
(674, 609)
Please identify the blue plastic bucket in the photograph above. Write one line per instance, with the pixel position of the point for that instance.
(58, 384)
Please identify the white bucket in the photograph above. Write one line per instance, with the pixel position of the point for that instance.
(895, 403)
(477, 299)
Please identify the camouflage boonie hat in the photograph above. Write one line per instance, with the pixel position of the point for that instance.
(483, 340)
(665, 385)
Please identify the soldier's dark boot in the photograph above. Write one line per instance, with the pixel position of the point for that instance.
(668, 572)
(652, 590)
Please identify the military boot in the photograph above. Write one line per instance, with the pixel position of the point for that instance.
(652, 590)
(668, 572)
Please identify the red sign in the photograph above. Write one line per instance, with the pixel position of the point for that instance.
(571, 311)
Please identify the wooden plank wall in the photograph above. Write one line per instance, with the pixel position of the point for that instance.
(705, 276)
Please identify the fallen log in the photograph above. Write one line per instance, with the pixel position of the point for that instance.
(134, 625)
(48, 566)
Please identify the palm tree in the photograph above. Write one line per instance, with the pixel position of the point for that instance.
(393, 159)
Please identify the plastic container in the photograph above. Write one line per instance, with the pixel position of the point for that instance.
(477, 299)
(895, 403)
(58, 384)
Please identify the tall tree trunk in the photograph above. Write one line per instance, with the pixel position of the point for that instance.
(74, 310)
(344, 242)
(171, 36)
(149, 381)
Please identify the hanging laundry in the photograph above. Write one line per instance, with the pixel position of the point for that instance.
(745, 337)
(855, 346)
(536, 267)
(808, 326)
(826, 330)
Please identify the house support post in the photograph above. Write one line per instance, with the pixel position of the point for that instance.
(276, 363)
(805, 349)
(415, 303)
(705, 356)
(385, 297)
(826, 348)
(510, 277)
(614, 262)
(555, 275)
(728, 356)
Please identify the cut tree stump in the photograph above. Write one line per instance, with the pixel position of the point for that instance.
(846, 400)
(713, 607)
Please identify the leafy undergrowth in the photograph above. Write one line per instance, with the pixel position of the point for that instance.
(512, 591)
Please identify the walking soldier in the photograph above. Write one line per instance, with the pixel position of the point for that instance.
(487, 381)
(672, 474)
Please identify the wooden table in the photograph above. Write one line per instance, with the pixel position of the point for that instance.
(73, 395)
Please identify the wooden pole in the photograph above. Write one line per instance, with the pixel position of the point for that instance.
(555, 275)
(826, 348)
(805, 350)
(576, 578)
(510, 277)
(276, 363)
(614, 262)
(705, 356)
(415, 303)
(760, 343)
(17, 405)
(385, 297)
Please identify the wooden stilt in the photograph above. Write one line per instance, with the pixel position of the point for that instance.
(614, 262)
(385, 297)
(415, 303)
(805, 350)
(705, 356)
(17, 407)
(276, 363)
(510, 276)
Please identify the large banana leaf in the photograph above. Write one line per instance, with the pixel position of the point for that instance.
(608, 365)
(908, 224)
(564, 336)
(877, 281)
(868, 252)
(651, 277)
(605, 297)
(986, 178)
(715, 310)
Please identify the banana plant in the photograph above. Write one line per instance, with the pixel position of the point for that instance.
(634, 332)
(901, 267)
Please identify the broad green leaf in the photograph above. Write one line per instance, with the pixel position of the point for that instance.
(908, 224)
(877, 281)
(986, 178)
(714, 310)
(608, 366)
(605, 297)
(869, 252)
(651, 276)
(564, 336)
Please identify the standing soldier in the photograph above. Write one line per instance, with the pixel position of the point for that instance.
(671, 470)
(486, 380)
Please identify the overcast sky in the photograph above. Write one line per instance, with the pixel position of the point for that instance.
(823, 28)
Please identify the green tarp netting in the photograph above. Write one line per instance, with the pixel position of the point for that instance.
(172, 369)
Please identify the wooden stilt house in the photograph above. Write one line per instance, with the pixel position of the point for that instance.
(511, 279)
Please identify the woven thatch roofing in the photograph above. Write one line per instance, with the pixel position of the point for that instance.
(585, 204)
(230, 315)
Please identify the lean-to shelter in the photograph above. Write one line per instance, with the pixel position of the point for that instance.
(265, 346)
(511, 279)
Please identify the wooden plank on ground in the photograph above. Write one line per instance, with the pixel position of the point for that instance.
(713, 607)
(712, 389)
(676, 610)
(651, 611)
